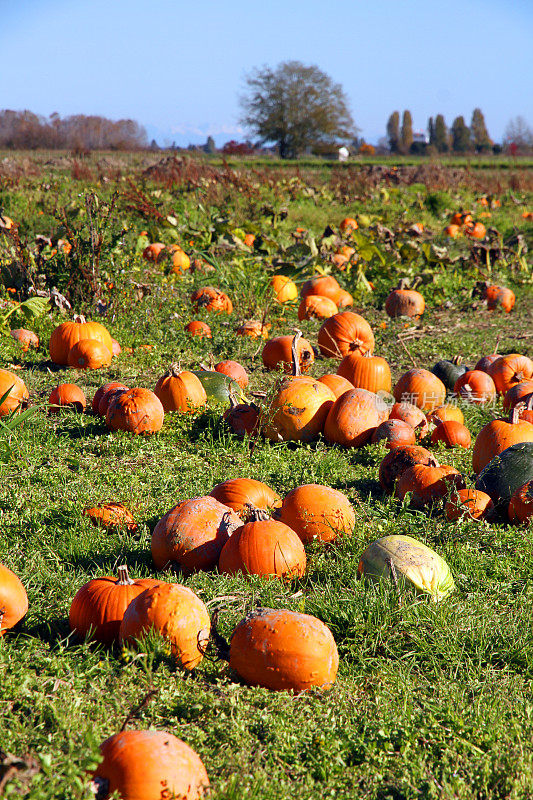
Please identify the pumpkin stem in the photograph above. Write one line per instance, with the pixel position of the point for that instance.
(403, 283)
(174, 370)
(123, 576)
(294, 351)
(514, 416)
(457, 360)
(232, 398)
(80, 319)
(256, 514)
(215, 640)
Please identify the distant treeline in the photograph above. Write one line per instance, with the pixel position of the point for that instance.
(24, 130)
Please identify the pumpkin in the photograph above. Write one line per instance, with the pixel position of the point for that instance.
(366, 372)
(218, 386)
(453, 231)
(521, 504)
(180, 391)
(153, 251)
(520, 392)
(323, 286)
(461, 218)
(18, 393)
(249, 239)
(499, 296)
(344, 333)
(198, 328)
(240, 493)
(284, 289)
(476, 230)
(394, 433)
(284, 651)
(449, 371)
(348, 225)
(398, 460)
(279, 351)
(66, 335)
(411, 414)
(525, 411)
(340, 261)
(89, 354)
(117, 349)
(506, 473)
(407, 561)
(428, 485)
(98, 607)
(149, 765)
(233, 370)
(317, 512)
(484, 363)
(111, 516)
(316, 307)
(26, 338)
(211, 299)
(337, 384)
(67, 395)
(476, 386)
(136, 411)
(497, 436)
(420, 387)
(101, 391)
(352, 418)
(13, 599)
(452, 434)
(177, 614)
(445, 413)
(178, 258)
(404, 302)
(509, 370)
(254, 328)
(468, 504)
(344, 299)
(192, 534)
(243, 418)
(263, 546)
(108, 398)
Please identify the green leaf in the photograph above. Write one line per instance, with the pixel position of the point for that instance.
(34, 307)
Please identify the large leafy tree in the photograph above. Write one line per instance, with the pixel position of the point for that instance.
(478, 129)
(296, 106)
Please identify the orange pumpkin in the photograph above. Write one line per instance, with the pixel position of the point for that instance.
(263, 546)
(66, 335)
(180, 391)
(445, 413)
(352, 418)
(428, 485)
(337, 384)
(317, 512)
(348, 225)
(344, 333)
(106, 387)
(254, 328)
(13, 599)
(192, 534)
(284, 289)
(26, 338)
(497, 436)
(243, 418)
(404, 302)
(521, 504)
(197, 328)
(366, 372)
(400, 459)
(145, 765)
(323, 286)
(476, 230)
(411, 414)
(279, 351)
(64, 395)
(177, 614)
(420, 387)
(89, 354)
(18, 393)
(233, 370)
(468, 504)
(509, 370)
(475, 386)
(211, 299)
(499, 296)
(520, 392)
(284, 650)
(484, 363)
(240, 493)
(98, 607)
(452, 434)
(108, 398)
(394, 433)
(111, 516)
(178, 258)
(344, 299)
(137, 411)
(298, 410)
(153, 251)
(249, 240)
(315, 306)
(453, 231)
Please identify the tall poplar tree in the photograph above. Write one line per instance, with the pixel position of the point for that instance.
(407, 132)
(442, 139)
(393, 132)
(479, 133)
(460, 136)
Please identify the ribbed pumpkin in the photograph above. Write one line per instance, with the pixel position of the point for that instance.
(233, 370)
(476, 386)
(509, 370)
(468, 504)
(65, 395)
(198, 328)
(89, 354)
(394, 433)
(13, 599)
(404, 302)
(136, 411)
(284, 650)
(211, 299)
(399, 460)
(177, 614)
(497, 436)
(18, 392)
(192, 534)
(101, 391)
(111, 516)
(317, 512)
(344, 333)
(366, 372)
(315, 306)
(240, 493)
(517, 393)
(279, 351)
(180, 391)
(344, 299)
(66, 335)
(452, 434)
(108, 397)
(337, 384)
(98, 607)
(445, 413)
(411, 414)
(352, 418)
(420, 387)
(323, 286)
(521, 504)
(263, 547)
(428, 485)
(484, 363)
(149, 765)
(284, 289)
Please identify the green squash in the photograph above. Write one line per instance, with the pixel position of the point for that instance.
(409, 562)
(507, 472)
(449, 372)
(218, 386)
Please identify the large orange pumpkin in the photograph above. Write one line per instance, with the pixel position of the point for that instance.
(497, 436)
(298, 410)
(366, 372)
(344, 333)
(137, 411)
(66, 335)
(353, 418)
(180, 391)
(280, 351)
(317, 512)
(13, 599)
(314, 306)
(421, 388)
(18, 393)
(240, 493)
(509, 370)
(323, 286)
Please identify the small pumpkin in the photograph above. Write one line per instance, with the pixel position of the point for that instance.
(428, 485)
(520, 392)
(337, 384)
(178, 258)
(233, 370)
(476, 386)
(243, 418)
(152, 251)
(254, 329)
(279, 351)
(476, 230)
(316, 307)
(137, 411)
(404, 302)
(412, 415)
(509, 370)
(198, 328)
(521, 504)
(452, 434)
(285, 290)
(398, 460)
(344, 299)
(343, 333)
(420, 387)
(26, 338)
(499, 297)
(111, 516)
(317, 512)
(180, 391)
(66, 395)
(323, 286)
(101, 391)
(348, 225)
(108, 397)
(66, 335)
(211, 299)
(485, 361)
(18, 393)
(89, 354)
(240, 493)
(394, 433)
(468, 504)
(13, 599)
(445, 413)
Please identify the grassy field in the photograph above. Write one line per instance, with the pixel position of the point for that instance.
(431, 700)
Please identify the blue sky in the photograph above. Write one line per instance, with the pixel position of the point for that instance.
(178, 67)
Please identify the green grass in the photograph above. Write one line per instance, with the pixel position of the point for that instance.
(431, 701)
